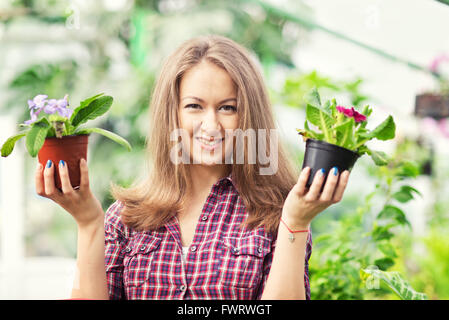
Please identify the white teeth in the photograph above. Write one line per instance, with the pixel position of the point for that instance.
(210, 143)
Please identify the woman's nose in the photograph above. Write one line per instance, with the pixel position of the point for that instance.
(210, 123)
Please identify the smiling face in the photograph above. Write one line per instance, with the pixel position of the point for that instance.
(208, 112)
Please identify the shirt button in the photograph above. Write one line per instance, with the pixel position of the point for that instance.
(259, 249)
(128, 249)
(183, 288)
(204, 218)
(236, 250)
(142, 248)
(192, 248)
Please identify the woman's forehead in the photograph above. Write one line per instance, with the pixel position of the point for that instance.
(206, 81)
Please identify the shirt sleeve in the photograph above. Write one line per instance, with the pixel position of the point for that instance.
(115, 243)
(269, 260)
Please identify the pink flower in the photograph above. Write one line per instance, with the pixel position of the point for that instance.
(434, 65)
(351, 113)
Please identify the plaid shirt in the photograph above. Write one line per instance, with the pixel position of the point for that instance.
(223, 261)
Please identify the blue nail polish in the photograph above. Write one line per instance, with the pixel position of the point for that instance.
(335, 171)
(62, 163)
(48, 163)
(322, 171)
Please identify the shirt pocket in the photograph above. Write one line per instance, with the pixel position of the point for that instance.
(242, 261)
(138, 260)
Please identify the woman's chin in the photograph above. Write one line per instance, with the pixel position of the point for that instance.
(208, 160)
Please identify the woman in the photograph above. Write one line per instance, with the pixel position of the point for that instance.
(204, 224)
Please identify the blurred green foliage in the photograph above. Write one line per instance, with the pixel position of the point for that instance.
(121, 54)
(298, 85)
(362, 238)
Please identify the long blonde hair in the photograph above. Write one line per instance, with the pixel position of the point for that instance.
(152, 202)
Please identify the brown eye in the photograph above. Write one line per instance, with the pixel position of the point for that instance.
(229, 108)
(193, 106)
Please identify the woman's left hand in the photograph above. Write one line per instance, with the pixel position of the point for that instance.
(303, 204)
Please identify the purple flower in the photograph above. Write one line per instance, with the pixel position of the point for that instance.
(59, 106)
(51, 106)
(33, 117)
(38, 102)
(36, 105)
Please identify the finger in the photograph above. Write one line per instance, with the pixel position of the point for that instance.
(39, 180)
(84, 179)
(49, 180)
(315, 188)
(329, 187)
(65, 178)
(300, 186)
(341, 186)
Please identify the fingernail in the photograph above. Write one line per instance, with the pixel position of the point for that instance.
(48, 163)
(322, 171)
(62, 163)
(335, 171)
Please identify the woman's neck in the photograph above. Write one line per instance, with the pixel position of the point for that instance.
(202, 177)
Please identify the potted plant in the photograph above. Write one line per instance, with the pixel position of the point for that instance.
(54, 132)
(342, 136)
(435, 104)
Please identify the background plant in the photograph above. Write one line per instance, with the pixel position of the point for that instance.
(364, 238)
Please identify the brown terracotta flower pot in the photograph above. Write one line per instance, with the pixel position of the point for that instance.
(68, 148)
(432, 105)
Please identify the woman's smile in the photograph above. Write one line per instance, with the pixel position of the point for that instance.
(209, 144)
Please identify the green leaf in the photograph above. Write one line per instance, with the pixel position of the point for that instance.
(362, 150)
(107, 134)
(395, 213)
(382, 232)
(328, 107)
(313, 97)
(395, 282)
(84, 104)
(320, 119)
(345, 133)
(384, 263)
(408, 169)
(309, 133)
(35, 138)
(9, 144)
(367, 110)
(87, 101)
(94, 109)
(385, 130)
(387, 249)
(405, 194)
(380, 158)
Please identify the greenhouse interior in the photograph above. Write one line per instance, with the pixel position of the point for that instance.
(386, 239)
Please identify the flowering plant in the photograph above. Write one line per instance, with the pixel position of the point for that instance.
(441, 73)
(54, 118)
(345, 127)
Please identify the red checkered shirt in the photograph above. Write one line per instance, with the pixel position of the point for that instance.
(224, 261)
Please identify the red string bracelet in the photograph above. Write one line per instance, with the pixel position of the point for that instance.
(291, 237)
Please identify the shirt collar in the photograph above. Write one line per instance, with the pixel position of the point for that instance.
(224, 180)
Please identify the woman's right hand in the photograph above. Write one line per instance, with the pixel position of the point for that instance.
(81, 203)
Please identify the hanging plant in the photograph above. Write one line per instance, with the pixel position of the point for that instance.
(435, 104)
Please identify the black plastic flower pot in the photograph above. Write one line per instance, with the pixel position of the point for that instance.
(320, 154)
